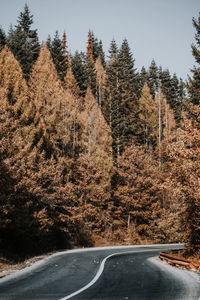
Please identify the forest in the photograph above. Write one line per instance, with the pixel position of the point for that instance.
(93, 151)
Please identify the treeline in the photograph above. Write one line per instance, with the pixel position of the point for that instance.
(91, 150)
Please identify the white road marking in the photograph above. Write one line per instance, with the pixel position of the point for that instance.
(66, 252)
(100, 271)
(97, 276)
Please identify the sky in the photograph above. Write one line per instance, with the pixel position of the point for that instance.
(155, 29)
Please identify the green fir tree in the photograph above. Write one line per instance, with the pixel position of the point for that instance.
(23, 41)
(193, 85)
(58, 54)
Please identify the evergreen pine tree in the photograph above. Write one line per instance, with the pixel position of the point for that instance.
(58, 53)
(142, 78)
(121, 98)
(23, 42)
(79, 71)
(101, 54)
(49, 42)
(2, 39)
(128, 89)
(148, 118)
(166, 85)
(128, 76)
(177, 95)
(153, 78)
(112, 103)
(90, 74)
(97, 49)
(101, 78)
(193, 85)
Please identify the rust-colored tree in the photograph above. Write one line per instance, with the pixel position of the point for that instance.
(183, 161)
(137, 194)
(101, 80)
(91, 195)
(50, 107)
(96, 132)
(70, 81)
(148, 117)
(13, 98)
(89, 48)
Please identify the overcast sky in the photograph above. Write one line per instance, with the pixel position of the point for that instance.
(159, 29)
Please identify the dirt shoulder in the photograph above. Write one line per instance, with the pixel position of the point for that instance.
(8, 267)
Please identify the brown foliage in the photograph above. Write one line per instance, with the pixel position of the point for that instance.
(137, 192)
(184, 173)
(96, 132)
(92, 198)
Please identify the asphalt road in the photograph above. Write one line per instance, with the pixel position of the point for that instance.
(109, 273)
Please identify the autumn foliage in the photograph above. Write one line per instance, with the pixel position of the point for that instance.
(96, 160)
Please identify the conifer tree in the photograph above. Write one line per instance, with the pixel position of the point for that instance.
(178, 95)
(112, 103)
(90, 67)
(166, 125)
(128, 76)
(96, 132)
(74, 106)
(90, 75)
(183, 161)
(153, 78)
(166, 86)
(148, 117)
(142, 78)
(193, 85)
(49, 42)
(101, 78)
(47, 96)
(58, 53)
(97, 49)
(90, 48)
(92, 198)
(170, 88)
(125, 104)
(137, 192)
(79, 71)
(2, 39)
(17, 225)
(23, 41)
(64, 43)
(14, 101)
(101, 53)
(70, 81)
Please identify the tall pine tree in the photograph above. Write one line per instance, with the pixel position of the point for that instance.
(153, 78)
(2, 38)
(58, 53)
(23, 42)
(193, 85)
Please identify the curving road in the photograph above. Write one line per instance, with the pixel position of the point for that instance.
(109, 273)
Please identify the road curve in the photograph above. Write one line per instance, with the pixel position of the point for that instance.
(100, 273)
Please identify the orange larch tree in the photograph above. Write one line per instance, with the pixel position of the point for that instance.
(183, 163)
(137, 193)
(96, 132)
